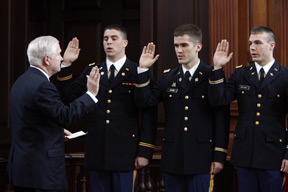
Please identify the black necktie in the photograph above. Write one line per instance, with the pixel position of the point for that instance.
(261, 76)
(112, 70)
(186, 77)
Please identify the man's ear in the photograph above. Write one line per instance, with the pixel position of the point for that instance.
(125, 43)
(272, 45)
(46, 60)
(199, 47)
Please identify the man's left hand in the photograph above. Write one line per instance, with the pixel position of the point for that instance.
(284, 166)
(216, 167)
(141, 162)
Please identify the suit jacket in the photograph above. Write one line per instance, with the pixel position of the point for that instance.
(195, 132)
(38, 116)
(260, 139)
(117, 133)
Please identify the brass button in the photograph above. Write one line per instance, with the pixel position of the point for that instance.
(110, 91)
(170, 96)
(186, 97)
(186, 108)
(258, 105)
(280, 140)
(258, 114)
(108, 111)
(242, 92)
(108, 101)
(278, 96)
(107, 121)
(133, 135)
(185, 129)
(202, 96)
(129, 91)
(256, 122)
(186, 118)
(259, 96)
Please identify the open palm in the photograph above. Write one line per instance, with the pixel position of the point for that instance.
(147, 58)
(221, 56)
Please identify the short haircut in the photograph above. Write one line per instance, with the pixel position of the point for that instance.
(119, 28)
(264, 29)
(193, 31)
(41, 47)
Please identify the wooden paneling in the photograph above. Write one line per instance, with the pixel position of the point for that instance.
(277, 20)
(146, 21)
(223, 25)
(91, 47)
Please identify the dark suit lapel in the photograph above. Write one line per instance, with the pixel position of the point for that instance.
(200, 74)
(125, 72)
(271, 75)
(178, 77)
(104, 75)
(252, 76)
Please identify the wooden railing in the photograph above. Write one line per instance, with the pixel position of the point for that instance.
(150, 178)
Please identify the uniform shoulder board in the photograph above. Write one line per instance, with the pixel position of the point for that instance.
(239, 66)
(166, 70)
(91, 64)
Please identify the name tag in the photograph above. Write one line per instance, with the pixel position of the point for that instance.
(172, 90)
(244, 87)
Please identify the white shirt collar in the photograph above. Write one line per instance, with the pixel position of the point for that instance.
(192, 70)
(33, 66)
(118, 64)
(266, 67)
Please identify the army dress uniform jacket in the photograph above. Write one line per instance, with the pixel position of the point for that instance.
(195, 132)
(115, 134)
(38, 116)
(260, 139)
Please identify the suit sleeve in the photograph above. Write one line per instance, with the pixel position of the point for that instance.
(147, 94)
(148, 116)
(49, 102)
(70, 88)
(148, 132)
(221, 133)
(220, 92)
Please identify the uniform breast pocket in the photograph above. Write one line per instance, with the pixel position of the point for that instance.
(277, 100)
(244, 98)
(127, 89)
(200, 96)
(172, 93)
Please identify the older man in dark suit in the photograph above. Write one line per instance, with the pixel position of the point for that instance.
(36, 161)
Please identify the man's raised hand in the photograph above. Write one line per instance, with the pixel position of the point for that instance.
(147, 58)
(72, 52)
(221, 56)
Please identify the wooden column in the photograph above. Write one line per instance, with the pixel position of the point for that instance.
(223, 24)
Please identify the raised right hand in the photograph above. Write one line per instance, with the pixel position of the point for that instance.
(72, 52)
(221, 56)
(147, 58)
(93, 81)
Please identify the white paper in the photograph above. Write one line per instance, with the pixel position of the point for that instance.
(77, 134)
